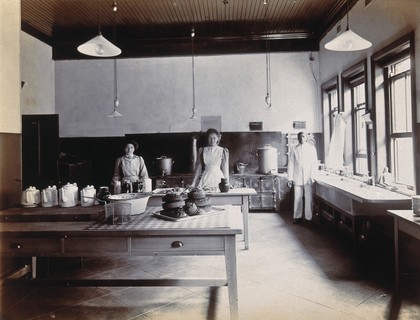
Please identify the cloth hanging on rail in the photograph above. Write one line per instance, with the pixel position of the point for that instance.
(335, 157)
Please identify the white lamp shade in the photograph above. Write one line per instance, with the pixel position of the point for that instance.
(115, 114)
(348, 41)
(99, 47)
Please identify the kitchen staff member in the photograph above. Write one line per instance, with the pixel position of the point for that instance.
(212, 163)
(303, 162)
(129, 167)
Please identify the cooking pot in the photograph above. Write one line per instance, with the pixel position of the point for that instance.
(240, 167)
(267, 159)
(164, 165)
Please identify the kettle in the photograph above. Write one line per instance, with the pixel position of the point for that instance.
(68, 195)
(49, 197)
(87, 196)
(30, 197)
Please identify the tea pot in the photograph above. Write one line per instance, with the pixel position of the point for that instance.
(30, 197)
(68, 195)
(49, 197)
(87, 196)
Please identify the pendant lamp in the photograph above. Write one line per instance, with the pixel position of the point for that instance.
(115, 112)
(99, 46)
(194, 110)
(267, 59)
(348, 40)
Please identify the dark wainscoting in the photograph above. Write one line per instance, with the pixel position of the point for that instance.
(10, 170)
(102, 152)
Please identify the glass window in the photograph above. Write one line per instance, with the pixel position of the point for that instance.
(400, 126)
(332, 104)
(359, 129)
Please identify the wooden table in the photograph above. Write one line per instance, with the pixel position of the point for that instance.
(235, 196)
(146, 235)
(405, 221)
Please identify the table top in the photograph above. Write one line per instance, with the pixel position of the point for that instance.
(232, 192)
(226, 220)
(406, 215)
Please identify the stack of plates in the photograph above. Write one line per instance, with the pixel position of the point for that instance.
(416, 205)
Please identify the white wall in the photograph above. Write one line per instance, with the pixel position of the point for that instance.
(9, 66)
(156, 94)
(37, 71)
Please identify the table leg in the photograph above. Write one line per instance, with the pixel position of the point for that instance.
(245, 215)
(232, 279)
(33, 267)
(396, 254)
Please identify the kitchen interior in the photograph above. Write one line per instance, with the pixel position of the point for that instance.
(259, 72)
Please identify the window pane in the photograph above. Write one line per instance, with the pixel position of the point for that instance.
(361, 166)
(401, 103)
(401, 140)
(333, 106)
(359, 130)
(403, 166)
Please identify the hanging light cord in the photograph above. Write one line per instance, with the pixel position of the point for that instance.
(99, 17)
(116, 102)
(267, 58)
(193, 73)
(348, 28)
(115, 84)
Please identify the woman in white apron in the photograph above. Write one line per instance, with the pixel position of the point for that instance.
(212, 163)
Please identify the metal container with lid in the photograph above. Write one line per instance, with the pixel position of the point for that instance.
(267, 159)
(164, 165)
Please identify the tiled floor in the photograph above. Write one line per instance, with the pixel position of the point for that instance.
(290, 272)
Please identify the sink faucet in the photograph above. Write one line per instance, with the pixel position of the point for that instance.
(371, 180)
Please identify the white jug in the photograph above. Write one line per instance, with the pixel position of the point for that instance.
(87, 196)
(68, 195)
(49, 197)
(30, 197)
(147, 187)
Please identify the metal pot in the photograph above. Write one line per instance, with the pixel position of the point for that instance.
(240, 167)
(164, 165)
(267, 159)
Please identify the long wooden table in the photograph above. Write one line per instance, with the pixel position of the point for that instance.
(235, 196)
(405, 221)
(145, 235)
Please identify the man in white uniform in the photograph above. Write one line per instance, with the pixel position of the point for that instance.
(303, 161)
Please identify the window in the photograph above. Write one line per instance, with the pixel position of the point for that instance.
(394, 97)
(400, 142)
(354, 95)
(359, 128)
(332, 105)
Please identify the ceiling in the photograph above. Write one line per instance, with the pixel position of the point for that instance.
(163, 27)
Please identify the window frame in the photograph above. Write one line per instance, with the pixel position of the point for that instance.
(392, 136)
(351, 77)
(403, 47)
